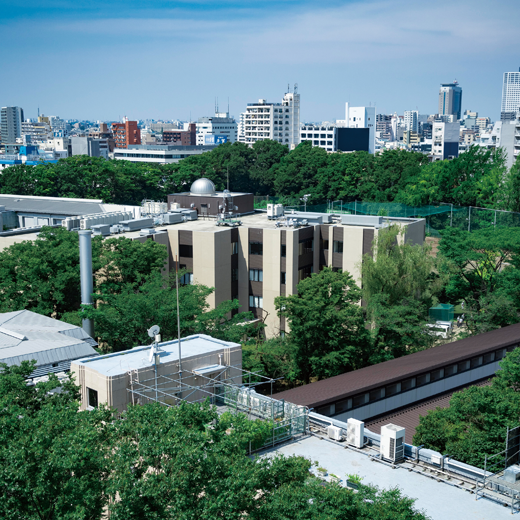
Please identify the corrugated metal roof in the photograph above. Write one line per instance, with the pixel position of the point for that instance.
(366, 379)
(52, 205)
(409, 417)
(47, 340)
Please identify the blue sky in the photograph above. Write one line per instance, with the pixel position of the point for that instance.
(169, 59)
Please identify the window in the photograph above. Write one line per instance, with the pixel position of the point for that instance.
(92, 397)
(234, 248)
(256, 302)
(463, 366)
(392, 389)
(376, 394)
(476, 362)
(304, 272)
(256, 248)
(283, 251)
(489, 358)
(324, 244)
(344, 404)
(358, 400)
(450, 371)
(186, 251)
(186, 279)
(338, 246)
(234, 275)
(256, 275)
(500, 354)
(435, 375)
(307, 246)
(423, 379)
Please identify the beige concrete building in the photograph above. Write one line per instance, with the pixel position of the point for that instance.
(140, 376)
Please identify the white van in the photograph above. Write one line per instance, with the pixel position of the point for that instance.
(442, 329)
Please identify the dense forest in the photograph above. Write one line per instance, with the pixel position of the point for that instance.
(476, 178)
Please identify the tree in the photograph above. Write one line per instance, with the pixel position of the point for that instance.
(123, 318)
(156, 462)
(53, 460)
(482, 270)
(327, 326)
(397, 269)
(42, 275)
(512, 187)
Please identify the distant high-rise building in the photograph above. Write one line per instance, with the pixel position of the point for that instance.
(510, 96)
(445, 140)
(411, 120)
(277, 121)
(126, 133)
(450, 100)
(10, 124)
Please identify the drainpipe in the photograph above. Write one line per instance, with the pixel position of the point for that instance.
(85, 267)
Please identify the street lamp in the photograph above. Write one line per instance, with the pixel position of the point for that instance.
(305, 198)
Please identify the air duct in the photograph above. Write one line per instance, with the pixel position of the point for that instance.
(85, 269)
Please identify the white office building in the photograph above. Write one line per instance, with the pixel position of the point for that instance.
(323, 135)
(445, 140)
(39, 132)
(411, 120)
(221, 128)
(361, 117)
(510, 96)
(277, 121)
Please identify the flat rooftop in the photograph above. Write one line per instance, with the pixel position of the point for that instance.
(439, 500)
(137, 358)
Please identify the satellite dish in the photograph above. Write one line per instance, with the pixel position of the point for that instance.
(153, 331)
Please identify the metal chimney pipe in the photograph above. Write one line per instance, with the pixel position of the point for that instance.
(85, 269)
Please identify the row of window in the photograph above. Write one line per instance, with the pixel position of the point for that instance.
(256, 302)
(412, 382)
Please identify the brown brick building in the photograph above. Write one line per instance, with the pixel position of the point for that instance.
(182, 137)
(126, 133)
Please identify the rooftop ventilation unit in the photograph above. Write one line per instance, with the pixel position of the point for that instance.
(362, 220)
(355, 433)
(274, 211)
(392, 443)
(334, 432)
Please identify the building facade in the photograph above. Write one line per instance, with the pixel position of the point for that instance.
(450, 100)
(323, 136)
(446, 138)
(181, 137)
(126, 134)
(276, 121)
(10, 124)
(361, 117)
(411, 120)
(221, 128)
(159, 153)
(39, 132)
(510, 96)
(90, 146)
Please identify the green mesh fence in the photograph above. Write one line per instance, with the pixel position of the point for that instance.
(438, 217)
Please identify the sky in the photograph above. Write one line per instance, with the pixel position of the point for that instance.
(102, 60)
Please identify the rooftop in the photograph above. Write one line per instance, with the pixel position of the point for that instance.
(440, 499)
(120, 363)
(366, 379)
(26, 335)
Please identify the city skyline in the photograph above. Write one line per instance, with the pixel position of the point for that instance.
(107, 61)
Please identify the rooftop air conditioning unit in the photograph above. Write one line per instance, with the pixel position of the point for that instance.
(392, 442)
(334, 432)
(355, 433)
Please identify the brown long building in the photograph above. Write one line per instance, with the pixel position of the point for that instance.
(382, 388)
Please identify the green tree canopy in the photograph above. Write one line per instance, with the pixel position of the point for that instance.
(158, 463)
(42, 275)
(327, 327)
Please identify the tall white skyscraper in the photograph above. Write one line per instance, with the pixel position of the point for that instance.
(277, 121)
(411, 120)
(510, 96)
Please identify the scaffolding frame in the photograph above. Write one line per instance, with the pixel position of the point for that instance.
(221, 389)
(494, 470)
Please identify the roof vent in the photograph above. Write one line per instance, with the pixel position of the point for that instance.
(12, 334)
